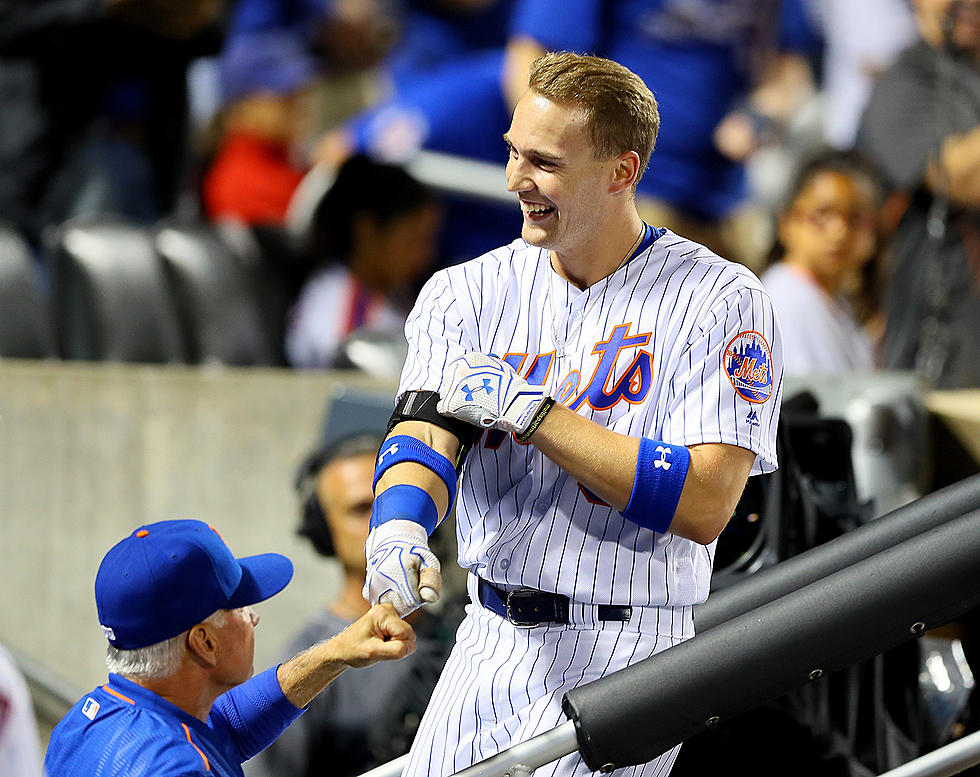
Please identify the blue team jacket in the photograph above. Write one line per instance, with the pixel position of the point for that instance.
(121, 729)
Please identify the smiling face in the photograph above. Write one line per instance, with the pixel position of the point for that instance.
(563, 190)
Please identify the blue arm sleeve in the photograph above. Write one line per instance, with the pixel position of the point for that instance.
(251, 716)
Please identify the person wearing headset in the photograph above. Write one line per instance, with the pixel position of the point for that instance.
(362, 724)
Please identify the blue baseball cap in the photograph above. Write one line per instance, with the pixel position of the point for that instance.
(167, 576)
(273, 61)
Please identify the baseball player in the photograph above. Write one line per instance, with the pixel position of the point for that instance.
(615, 383)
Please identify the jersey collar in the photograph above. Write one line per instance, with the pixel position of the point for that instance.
(146, 699)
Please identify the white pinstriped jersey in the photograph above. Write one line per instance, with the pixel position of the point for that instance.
(677, 345)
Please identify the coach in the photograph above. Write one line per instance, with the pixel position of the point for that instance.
(181, 699)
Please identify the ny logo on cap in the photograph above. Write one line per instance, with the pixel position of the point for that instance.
(109, 633)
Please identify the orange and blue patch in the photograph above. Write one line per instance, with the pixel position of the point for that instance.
(748, 364)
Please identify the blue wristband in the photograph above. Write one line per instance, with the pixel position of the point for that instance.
(660, 473)
(406, 503)
(403, 447)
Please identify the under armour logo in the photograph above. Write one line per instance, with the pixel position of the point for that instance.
(393, 448)
(662, 461)
(469, 392)
(752, 419)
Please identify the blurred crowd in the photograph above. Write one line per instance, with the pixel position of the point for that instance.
(831, 146)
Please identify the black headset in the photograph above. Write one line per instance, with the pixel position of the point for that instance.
(312, 517)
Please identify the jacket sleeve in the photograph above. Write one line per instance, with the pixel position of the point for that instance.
(253, 715)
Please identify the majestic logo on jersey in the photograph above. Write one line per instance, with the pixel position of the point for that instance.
(90, 708)
(469, 392)
(748, 363)
(662, 461)
(752, 419)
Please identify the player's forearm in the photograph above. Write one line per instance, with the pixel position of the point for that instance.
(598, 458)
(413, 474)
(605, 462)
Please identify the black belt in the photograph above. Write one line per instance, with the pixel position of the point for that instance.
(527, 607)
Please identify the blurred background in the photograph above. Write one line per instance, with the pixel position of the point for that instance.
(215, 216)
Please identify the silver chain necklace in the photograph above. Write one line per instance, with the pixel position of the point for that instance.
(572, 335)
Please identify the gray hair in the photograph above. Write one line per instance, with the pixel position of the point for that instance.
(157, 661)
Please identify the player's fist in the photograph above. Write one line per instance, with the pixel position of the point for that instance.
(400, 567)
(486, 391)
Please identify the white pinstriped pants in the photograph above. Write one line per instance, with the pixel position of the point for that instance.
(503, 684)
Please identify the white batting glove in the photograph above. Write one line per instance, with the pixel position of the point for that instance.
(396, 552)
(487, 392)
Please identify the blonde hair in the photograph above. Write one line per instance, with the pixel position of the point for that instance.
(620, 110)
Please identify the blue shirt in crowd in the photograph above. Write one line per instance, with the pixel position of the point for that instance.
(697, 56)
(121, 729)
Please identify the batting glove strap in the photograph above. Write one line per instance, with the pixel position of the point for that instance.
(396, 552)
(539, 417)
(486, 391)
(403, 447)
(661, 470)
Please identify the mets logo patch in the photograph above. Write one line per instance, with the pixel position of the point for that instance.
(748, 363)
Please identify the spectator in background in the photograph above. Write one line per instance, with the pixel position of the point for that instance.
(439, 32)
(922, 128)
(826, 236)
(861, 39)
(20, 748)
(255, 171)
(348, 38)
(375, 233)
(95, 105)
(369, 718)
(445, 70)
(726, 75)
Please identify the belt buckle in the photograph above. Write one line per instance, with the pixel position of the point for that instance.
(514, 598)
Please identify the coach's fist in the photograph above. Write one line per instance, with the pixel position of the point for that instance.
(486, 391)
(378, 635)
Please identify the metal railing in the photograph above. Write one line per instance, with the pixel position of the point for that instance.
(913, 578)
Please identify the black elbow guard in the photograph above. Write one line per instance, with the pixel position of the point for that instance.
(421, 406)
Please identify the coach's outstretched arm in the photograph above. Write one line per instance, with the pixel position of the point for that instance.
(376, 636)
(690, 492)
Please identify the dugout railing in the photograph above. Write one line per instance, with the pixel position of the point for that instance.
(830, 607)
